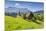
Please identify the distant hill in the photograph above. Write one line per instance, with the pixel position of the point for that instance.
(21, 10)
(12, 11)
(16, 10)
(40, 11)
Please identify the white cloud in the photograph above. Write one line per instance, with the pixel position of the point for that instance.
(17, 4)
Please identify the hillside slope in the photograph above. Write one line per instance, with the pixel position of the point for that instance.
(19, 23)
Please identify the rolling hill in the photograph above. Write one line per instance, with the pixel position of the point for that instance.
(19, 23)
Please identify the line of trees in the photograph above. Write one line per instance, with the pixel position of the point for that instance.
(29, 17)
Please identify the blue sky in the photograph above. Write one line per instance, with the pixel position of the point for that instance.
(33, 6)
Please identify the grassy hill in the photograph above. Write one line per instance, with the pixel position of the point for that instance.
(12, 23)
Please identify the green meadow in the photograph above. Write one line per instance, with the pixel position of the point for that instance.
(18, 23)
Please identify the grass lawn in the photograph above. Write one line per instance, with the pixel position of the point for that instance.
(19, 23)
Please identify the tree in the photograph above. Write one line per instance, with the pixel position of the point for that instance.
(24, 16)
(30, 16)
(19, 13)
